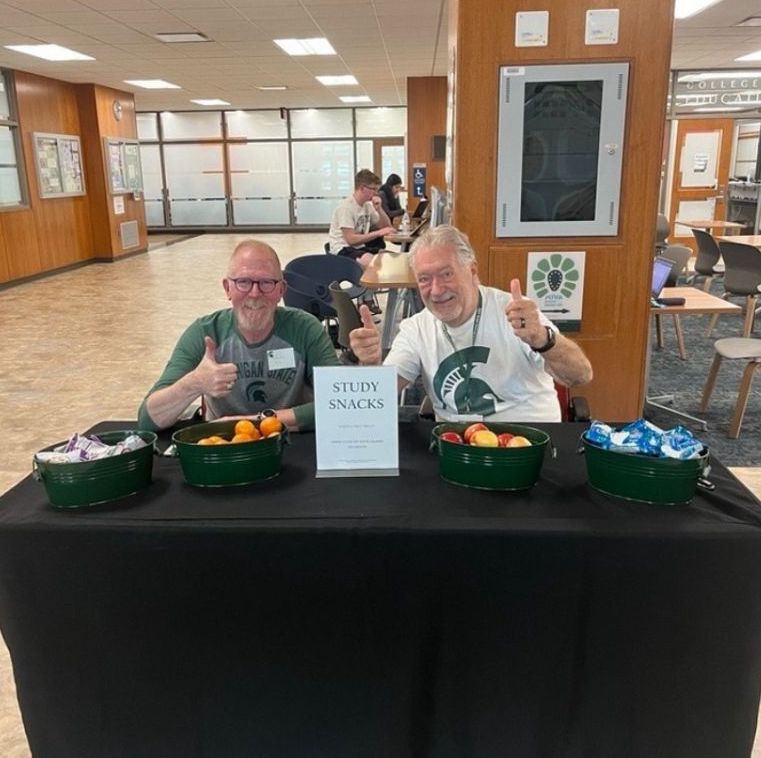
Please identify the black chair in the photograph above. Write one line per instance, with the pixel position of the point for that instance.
(308, 295)
(324, 269)
(680, 255)
(742, 278)
(707, 262)
(348, 318)
(661, 234)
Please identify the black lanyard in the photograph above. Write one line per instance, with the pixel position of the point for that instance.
(466, 369)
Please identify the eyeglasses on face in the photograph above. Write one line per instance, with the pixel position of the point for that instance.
(244, 284)
(373, 189)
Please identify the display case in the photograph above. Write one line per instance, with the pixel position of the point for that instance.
(560, 148)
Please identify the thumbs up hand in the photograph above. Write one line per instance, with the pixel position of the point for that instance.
(215, 379)
(365, 340)
(523, 316)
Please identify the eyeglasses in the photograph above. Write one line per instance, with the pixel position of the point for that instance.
(374, 190)
(244, 284)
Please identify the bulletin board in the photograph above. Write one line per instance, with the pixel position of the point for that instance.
(125, 173)
(58, 158)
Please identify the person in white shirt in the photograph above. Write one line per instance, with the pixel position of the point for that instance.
(482, 353)
(359, 223)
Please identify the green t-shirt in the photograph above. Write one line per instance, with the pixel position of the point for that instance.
(275, 373)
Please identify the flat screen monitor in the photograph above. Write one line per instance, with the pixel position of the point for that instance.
(561, 136)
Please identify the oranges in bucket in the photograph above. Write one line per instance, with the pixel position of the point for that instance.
(247, 430)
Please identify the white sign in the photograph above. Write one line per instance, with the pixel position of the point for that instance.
(532, 28)
(556, 284)
(602, 27)
(356, 420)
(118, 205)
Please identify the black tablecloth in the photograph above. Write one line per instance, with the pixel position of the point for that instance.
(385, 617)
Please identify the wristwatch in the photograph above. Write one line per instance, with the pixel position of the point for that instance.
(550, 341)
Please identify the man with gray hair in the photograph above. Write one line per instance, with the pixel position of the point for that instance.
(482, 353)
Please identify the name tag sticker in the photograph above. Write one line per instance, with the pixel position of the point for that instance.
(282, 358)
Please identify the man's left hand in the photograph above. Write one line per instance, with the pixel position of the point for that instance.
(376, 201)
(524, 317)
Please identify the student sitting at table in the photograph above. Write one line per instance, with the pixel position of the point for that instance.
(481, 353)
(359, 223)
(247, 358)
(389, 195)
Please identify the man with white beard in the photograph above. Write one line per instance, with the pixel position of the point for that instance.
(253, 356)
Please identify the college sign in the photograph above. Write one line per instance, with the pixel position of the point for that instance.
(711, 90)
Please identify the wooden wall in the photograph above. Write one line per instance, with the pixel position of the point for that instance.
(96, 105)
(56, 233)
(614, 331)
(426, 118)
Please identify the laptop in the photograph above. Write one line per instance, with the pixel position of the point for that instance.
(422, 207)
(662, 268)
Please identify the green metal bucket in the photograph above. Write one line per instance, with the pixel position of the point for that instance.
(491, 468)
(226, 465)
(661, 481)
(87, 483)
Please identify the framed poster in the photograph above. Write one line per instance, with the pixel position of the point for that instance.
(125, 172)
(58, 158)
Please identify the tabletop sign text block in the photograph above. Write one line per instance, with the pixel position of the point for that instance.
(356, 420)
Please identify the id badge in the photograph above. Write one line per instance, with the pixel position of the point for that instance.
(282, 358)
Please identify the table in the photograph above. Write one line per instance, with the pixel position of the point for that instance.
(745, 239)
(406, 240)
(391, 271)
(398, 617)
(696, 302)
(710, 223)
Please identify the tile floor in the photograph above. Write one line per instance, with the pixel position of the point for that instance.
(105, 331)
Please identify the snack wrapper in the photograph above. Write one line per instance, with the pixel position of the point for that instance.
(80, 447)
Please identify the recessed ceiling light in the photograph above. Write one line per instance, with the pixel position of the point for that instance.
(272, 87)
(152, 84)
(51, 52)
(337, 81)
(355, 99)
(750, 21)
(687, 8)
(182, 37)
(756, 56)
(311, 46)
(211, 101)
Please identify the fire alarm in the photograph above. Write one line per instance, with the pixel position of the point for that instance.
(116, 107)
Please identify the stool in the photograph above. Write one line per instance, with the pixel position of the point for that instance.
(734, 348)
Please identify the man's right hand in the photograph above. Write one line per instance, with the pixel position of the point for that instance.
(215, 379)
(365, 340)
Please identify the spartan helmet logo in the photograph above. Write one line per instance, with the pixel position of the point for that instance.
(452, 388)
(255, 392)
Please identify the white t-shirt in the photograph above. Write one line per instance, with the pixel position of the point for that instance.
(507, 381)
(350, 214)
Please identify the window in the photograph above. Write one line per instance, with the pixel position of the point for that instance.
(12, 179)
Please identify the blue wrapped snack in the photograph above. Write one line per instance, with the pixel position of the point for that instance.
(643, 436)
(599, 434)
(680, 443)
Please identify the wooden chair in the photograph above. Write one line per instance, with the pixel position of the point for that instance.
(734, 349)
